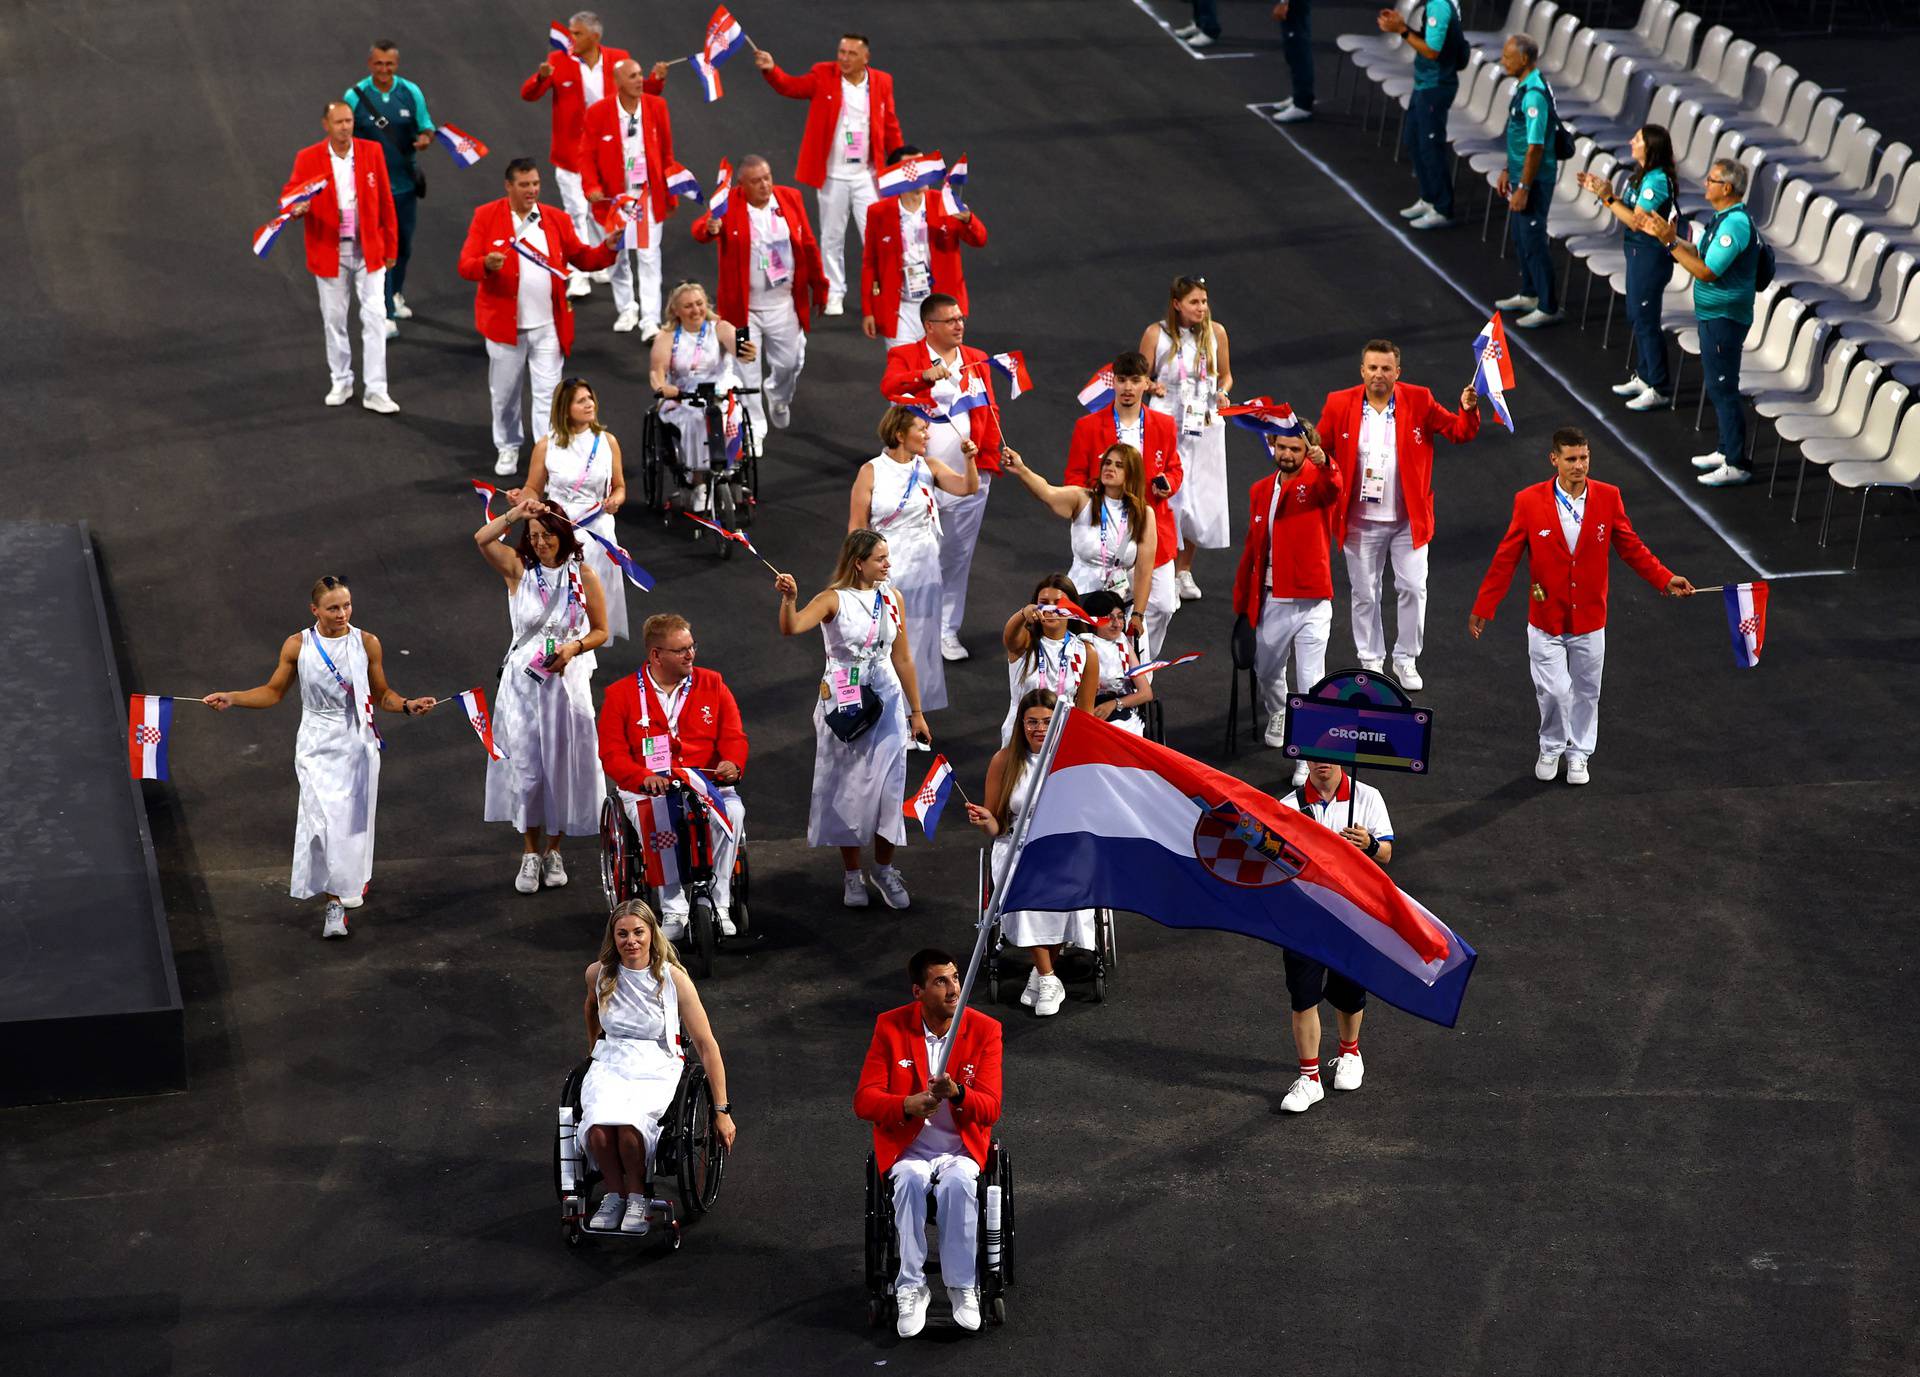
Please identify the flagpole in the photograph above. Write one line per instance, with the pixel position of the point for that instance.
(1717, 588)
(676, 61)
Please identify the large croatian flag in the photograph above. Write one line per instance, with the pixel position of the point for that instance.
(1119, 821)
(149, 719)
(1747, 621)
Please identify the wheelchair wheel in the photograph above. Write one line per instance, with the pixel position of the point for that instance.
(880, 1245)
(702, 1158)
(1005, 1177)
(1155, 726)
(704, 928)
(742, 919)
(612, 851)
(722, 511)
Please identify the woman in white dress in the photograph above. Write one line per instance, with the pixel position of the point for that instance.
(893, 495)
(1192, 375)
(1010, 781)
(697, 347)
(859, 786)
(550, 780)
(1120, 695)
(638, 999)
(1111, 529)
(584, 477)
(336, 757)
(1045, 650)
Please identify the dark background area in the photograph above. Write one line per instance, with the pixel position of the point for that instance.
(1675, 1129)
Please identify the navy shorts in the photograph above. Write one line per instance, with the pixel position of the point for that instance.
(1308, 982)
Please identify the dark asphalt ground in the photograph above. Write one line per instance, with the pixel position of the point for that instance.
(1676, 1129)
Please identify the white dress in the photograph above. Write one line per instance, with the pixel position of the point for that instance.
(859, 786)
(336, 759)
(1055, 665)
(1036, 928)
(1200, 506)
(637, 1062)
(580, 478)
(551, 776)
(902, 509)
(695, 359)
(1103, 548)
(1115, 658)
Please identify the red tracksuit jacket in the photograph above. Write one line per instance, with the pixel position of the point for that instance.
(570, 100)
(710, 728)
(1568, 596)
(735, 233)
(883, 259)
(1417, 418)
(905, 364)
(602, 165)
(820, 88)
(1302, 566)
(377, 226)
(896, 1067)
(496, 301)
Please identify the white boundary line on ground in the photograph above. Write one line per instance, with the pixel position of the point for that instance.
(1197, 56)
(1517, 339)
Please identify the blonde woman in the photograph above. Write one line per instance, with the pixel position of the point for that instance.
(1192, 375)
(1112, 537)
(639, 997)
(583, 473)
(696, 347)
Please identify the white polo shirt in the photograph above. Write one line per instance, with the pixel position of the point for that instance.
(1369, 809)
(939, 1134)
(535, 306)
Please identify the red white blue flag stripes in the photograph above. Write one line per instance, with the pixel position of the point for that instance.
(915, 172)
(1097, 395)
(931, 797)
(1493, 368)
(1153, 666)
(474, 704)
(465, 148)
(149, 720)
(724, 37)
(1747, 621)
(708, 75)
(1265, 416)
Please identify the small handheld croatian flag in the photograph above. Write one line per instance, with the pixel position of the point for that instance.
(537, 258)
(719, 530)
(474, 704)
(926, 408)
(1265, 416)
(976, 395)
(1493, 369)
(1074, 609)
(914, 172)
(681, 182)
(637, 576)
(722, 185)
(956, 178)
(560, 37)
(1097, 395)
(466, 149)
(925, 805)
(1747, 620)
(703, 784)
(264, 236)
(730, 427)
(487, 492)
(1013, 366)
(707, 74)
(724, 37)
(300, 195)
(1154, 666)
(149, 719)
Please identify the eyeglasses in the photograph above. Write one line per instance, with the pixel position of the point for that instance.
(686, 649)
(949, 320)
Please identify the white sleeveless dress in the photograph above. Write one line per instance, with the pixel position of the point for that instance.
(580, 478)
(1055, 665)
(336, 759)
(903, 510)
(637, 1062)
(1200, 507)
(859, 786)
(1113, 660)
(1103, 550)
(551, 776)
(695, 359)
(1030, 928)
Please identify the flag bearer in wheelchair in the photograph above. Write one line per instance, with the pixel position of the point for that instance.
(670, 715)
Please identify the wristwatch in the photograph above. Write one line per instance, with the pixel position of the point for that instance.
(726, 1108)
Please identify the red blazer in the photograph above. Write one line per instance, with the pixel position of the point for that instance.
(602, 168)
(570, 101)
(1094, 433)
(1417, 419)
(907, 362)
(820, 87)
(882, 259)
(710, 728)
(496, 303)
(735, 233)
(1569, 592)
(896, 1067)
(378, 228)
(1302, 567)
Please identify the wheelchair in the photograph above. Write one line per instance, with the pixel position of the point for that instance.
(726, 492)
(689, 1154)
(1104, 957)
(995, 1269)
(623, 868)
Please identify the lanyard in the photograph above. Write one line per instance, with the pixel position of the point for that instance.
(1047, 679)
(1107, 561)
(675, 705)
(546, 598)
(332, 669)
(1579, 514)
(579, 484)
(873, 630)
(913, 485)
(1139, 421)
(699, 343)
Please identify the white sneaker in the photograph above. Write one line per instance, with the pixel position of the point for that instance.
(1049, 997)
(1186, 31)
(1293, 114)
(553, 871)
(1276, 735)
(626, 321)
(1632, 387)
(1726, 476)
(635, 1220)
(699, 503)
(1519, 301)
(380, 402)
(966, 1305)
(401, 311)
(1649, 399)
(780, 414)
(340, 395)
(648, 330)
(950, 647)
(893, 889)
(1200, 40)
(836, 306)
(727, 928)
(1534, 319)
(528, 880)
(1188, 589)
(392, 328)
(1348, 1070)
(1408, 673)
(1577, 769)
(1414, 211)
(1372, 666)
(1433, 219)
(1302, 1095)
(854, 893)
(1032, 992)
(673, 927)
(579, 284)
(1547, 767)
(1300, 775)
(506, 461)
(912, 1304)
(601, 275)
(1707, 463)
(336, 920)
(608, 1215)
(351, 903)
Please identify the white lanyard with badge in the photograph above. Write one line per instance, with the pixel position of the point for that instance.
(846, 682)
(774, 256)
(1373, 481)
(657, 750)
(853, 127)
(1056, 685)
(1196, 402)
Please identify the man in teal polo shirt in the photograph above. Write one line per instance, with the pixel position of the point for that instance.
(391, 111)
(1435, 84)
(1725, 268)
(1527, 182)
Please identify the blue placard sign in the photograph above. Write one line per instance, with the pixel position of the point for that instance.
(1347, 720)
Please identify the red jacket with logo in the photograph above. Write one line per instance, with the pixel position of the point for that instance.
(377, 227)
(1568, 596)
(1094, 433)
(896, 1067)
(710, 728)
(820, 88)
(905, 364)
(496, 302)
(735, 234)
(570, 101)
(1302, 566)
(1417, 418)
(883, 258)
(602, 161)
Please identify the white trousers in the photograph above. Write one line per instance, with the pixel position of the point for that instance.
(780, 353)
(1566, 681)
(371, 290)
(1370, 544)
(573, 200)
(536, 355)
(959, 532)
(624, 269)
(673, 898)
(909, 326)
(840, 198)
(954, 1180)
(1299, 627)
(1163, 600)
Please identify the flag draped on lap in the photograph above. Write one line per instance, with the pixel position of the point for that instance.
(1154, 666)
(660, 845)
(1013, 367)
(1265, 416)
(1097, 395)
(1747, 621)
(1119, 821)
(466, 149)
(708, 75)
(915, 172)
(724, 36)
(149, 720)
(474, 704)
(931, 797)
(1493, 368)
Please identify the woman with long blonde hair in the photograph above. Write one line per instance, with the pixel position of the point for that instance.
(577, 468)
(1192, 375)
(639, 997)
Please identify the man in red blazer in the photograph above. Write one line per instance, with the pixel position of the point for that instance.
(626, 145)
(910, 249)
(670, 715)
(1156, 435)
(352, 237)
(851, 122)
(520, 308)
(1284, 586)
(1567, 526)
(933, 1131)
(939, 368)
(770, 280)
(1381, 435)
